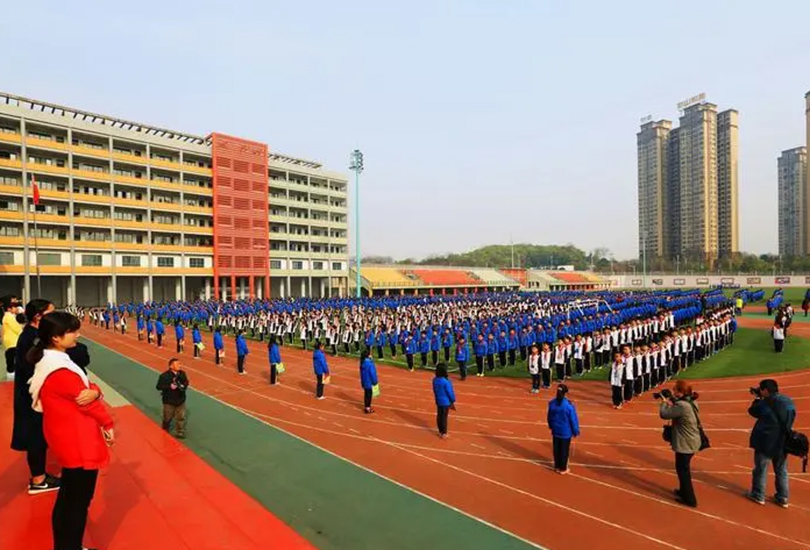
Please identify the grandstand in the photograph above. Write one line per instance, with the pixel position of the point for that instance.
(379, 280)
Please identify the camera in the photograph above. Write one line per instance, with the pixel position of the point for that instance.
(755, 392)
(665, 394)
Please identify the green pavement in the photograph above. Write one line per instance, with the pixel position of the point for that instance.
(334, 504)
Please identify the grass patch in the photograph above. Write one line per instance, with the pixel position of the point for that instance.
(751, 354)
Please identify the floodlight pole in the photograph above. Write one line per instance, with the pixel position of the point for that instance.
(356, 165)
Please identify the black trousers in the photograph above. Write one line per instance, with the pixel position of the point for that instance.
(536, 381)
(511, 357)
(434, 357)
(273, 373)
(441, 419)
(479, 363)
(446, 354)
(379, 352)
(10, 354)
(393, 348)
(69, 516)
(523, 353)
(628, 390)
(409, 360)
(490, 362)
(561, 448)
(179, 346)
(423, 357)
(778, 345)
(617, 395)
(502, 358)
(546, 375)
(579, 365)
(36, 459)
(240, 363)
(682, 467)
(319, 386)
(367, 397)
(462, 368)
(560, 371)
(160, 340)
(217, 358)
(196, 351)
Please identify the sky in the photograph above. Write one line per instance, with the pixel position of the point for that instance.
(480, 121)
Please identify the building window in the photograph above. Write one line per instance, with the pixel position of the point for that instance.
(165, 262)
(91, 260)
(131, 261)
(6, 258)
(317, 265)
(45, 258)
(297, 264)
(196, 262)
(275, 264)
(336, 266)
(9, 231)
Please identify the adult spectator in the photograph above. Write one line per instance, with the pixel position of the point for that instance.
(11, 330)
(678, 407)
(77, 434)
(775, 414)
(172, 384)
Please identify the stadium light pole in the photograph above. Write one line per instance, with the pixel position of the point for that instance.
(356, 165)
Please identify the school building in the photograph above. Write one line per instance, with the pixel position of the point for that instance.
(127, 211)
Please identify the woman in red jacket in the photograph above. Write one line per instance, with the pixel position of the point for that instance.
(78, 436)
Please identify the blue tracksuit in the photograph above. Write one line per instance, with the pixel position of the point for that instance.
(274, 355)
(443, 392)
(368, 374)
(241, 346)
(319, 362)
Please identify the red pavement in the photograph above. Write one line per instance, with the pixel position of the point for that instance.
(156, 494)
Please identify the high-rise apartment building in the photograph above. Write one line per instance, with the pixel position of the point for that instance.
(727, 180)
(129, 211)
(693, 176)
(792, 170)
(806, 232)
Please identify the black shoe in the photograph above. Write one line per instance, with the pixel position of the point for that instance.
(679, 499)
(49, 484)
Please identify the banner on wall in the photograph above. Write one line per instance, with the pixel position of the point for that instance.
(679, 282)
(658, 282)
(635, 282)
(781, 280)
(753, 281)
(703, 281)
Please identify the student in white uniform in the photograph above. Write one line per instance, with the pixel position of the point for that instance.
(616, 380)
(533, 363)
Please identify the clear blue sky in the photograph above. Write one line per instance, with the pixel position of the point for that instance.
(479, 120)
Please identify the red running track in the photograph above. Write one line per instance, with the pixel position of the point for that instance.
(155, 494)
(495, 465)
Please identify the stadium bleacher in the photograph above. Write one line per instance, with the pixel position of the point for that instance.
(493, 277)
(386, 277)
(446, 277)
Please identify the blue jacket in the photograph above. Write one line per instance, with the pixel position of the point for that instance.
(424, 346)
(480, 349)
(274, 355)
(179, 332)
(218, 344)
(241, 346)
(149, 325)
(768, 436)
(159, 328)
(196, 337)
(562, 419)
(319, 362)
(443, 392)
(462, 354)
(368, 374)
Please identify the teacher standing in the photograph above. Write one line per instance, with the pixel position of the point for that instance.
(564, 424)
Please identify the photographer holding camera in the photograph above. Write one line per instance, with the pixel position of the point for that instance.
(775, 414)
(172, 384)
(683, 434)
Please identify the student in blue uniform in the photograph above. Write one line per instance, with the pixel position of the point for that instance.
(424, 348)
(160, 330)
(462, 356)
(274, 356)
(480, 352)
(503, 346)
(368, 379)
(219, 346)
(141, 327)
(180, 336)
(445, 398)
(196, 340)
(435, 346)
(564, 425)
(492, 349)
(150, 329)
(379, 342)
(409, 349)
(242, 351)
(321, 368)
(447, 343)
(512, 344)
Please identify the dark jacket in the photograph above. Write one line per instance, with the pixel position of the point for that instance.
(27, 432)
(768, 437)
(80, 356)
(164, 384)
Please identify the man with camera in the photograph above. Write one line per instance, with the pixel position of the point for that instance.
(172, 384)
(775, 414)
(683, 434)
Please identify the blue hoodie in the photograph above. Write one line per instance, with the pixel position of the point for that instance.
(368, 374)
(319, 362)
(196, 337)
(241, 346)
(218, 343)
(562, 419)
(443, 392)
(274, 355)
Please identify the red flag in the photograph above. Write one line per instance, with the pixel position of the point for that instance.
(35, 188)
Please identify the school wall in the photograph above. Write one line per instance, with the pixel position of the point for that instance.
(705, 281)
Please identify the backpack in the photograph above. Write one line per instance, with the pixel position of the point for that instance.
(796, 443)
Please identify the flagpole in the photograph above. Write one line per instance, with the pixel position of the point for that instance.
(35, 200)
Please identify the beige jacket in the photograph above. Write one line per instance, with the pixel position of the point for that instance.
(685, 432)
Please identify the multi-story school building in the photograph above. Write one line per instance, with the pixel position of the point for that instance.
(127, 211)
